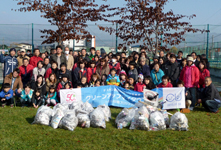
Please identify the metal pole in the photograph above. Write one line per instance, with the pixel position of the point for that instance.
(207, 44)
(116, 37)
(32, 40)
(161, 36)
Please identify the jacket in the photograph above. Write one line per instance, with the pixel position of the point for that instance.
(195, 75)
(70, 62)
(156, 76)
(203, 74)
(10, 63)
(60, 74)
(210, 93)
(102, 70)
(61, 85)
(90, 71)
(130, 72)
(113, 80)
(145, 70)
(37, 71)
(86, 58)
(26, 77)
(62, 58)
(34, 60)
(172, 71)
(2, 94)
(91, 57)
(50, 71)
(20, 60)
(116, 66)
(47, 67)
(26, 97)
(78, 74)
(161, 85)
(36, 101)
(48, 84)
(42, 87)
(54, 97)
(17, 83)
(139, 87)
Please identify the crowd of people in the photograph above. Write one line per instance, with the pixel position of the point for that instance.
(37, 79)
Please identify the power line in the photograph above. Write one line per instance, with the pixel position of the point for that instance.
(212, 15)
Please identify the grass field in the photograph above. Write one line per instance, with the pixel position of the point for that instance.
(16, 132)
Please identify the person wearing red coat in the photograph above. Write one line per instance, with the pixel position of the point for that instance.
(203, 73)
(190, 75)
(26, 71)
(115, 64)
(36, 58)
(91, 70)
(165, 82)
(140, 85)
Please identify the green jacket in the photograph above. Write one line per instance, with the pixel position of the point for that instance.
(91, 56)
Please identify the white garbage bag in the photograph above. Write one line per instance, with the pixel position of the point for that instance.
(166, 117)
(87, 107)
(76, 105)
(83, 120)
(157, 121)
(59, 106)
(107, 112)
(179, 122)
(124, 117)
(43, 115)
(57, 118)
(97, 118)
(69, 121)
(140, 120)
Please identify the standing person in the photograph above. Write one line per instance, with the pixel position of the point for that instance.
(75, 56)
(43, 55)
(133, 70)
(91, 70)
(98, 52)
(172, 69)
(18, 53)
(29, 54)
(84, 55)
(102, 68)
(64, 70)
(156, 74)
(115, 64)
(10, 62)
(206, 60)
(92, 50)
(47, 64)
(162, 64)
(136, 60)
(179, 58)
(36, 58)
(26, 71)
(190, 76)
(162, 55)
(155, 60)
(58, 57)
(20, 58)
(143, 68)
(53, 69)
(69, 58)
(203, 73)
(195, 61)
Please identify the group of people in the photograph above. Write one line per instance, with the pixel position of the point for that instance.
(37, 79)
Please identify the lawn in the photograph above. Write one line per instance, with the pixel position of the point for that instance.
(16, 132)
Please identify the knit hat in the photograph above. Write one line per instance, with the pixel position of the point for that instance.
(132, 76)
(12, 49)
(190, 58)
(123, 72)
(140, 76)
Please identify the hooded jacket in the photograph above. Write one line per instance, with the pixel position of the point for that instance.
(10, 63)
(34, 60)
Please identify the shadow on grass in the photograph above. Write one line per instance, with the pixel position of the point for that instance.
(30, 120)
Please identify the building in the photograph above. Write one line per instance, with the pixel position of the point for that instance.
(24, 45)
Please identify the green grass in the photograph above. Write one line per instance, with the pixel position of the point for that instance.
(16, 132)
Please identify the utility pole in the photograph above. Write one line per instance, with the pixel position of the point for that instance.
(212, 41)
(116, 37)
(3, 43)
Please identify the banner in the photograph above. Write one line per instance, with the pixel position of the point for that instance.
(150, 97)
(108, 95)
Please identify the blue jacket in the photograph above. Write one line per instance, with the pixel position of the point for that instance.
(10, 63)
(145, 70)
(53, 97)
(26, 97)
(157, 76)
(113, 80)
(2, 94)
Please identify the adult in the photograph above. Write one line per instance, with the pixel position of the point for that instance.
(210, 97)
(172, 70)
(162, 55)
(84, 55)
(75, 56)
(195, 61)
(190, 76)
(143, 68)
(64, 70)
(136, 60)
(54, 69)
(58, 57)
(10, 62)
(18, 53)
(43, 56)
(15, 81)
(26, 71)
(206, 60)
(39, 84)
(114, 64)
(155, 60)
(69, 59)
(29, 54)
(39, 70)
(123, 55)
(203, 73)
(102, 68)
(20, 58)
(156, 74)
(47, 64)
(92, 50)
(71, 52)
(79, 72)
(162, 64)
(179, 58)
(98, 52)
(36, 58)
(52, 80)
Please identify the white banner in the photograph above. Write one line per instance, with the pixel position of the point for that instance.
(150, 97)
(69, 96)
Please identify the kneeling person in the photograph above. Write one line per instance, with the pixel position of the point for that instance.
(6, 95)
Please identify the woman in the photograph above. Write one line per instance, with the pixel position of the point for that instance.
(52, 80)
(156, 74)
(79, 72)
(162, 64)
(102, 68)
(190, 76)
(39, 70)
(203, 73)
(143, 68)
(96, 59)
(39, 85)
(53, 69)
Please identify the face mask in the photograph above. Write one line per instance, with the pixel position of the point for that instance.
(113, 60)
(66, 52)
(28, 53)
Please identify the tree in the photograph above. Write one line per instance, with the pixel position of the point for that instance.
(70, 17)
(145, 21)
(174, 50)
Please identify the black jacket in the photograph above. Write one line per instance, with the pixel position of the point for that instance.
(210, 93)
(172, 71)
(36, 101)
(60, 74)
(42, 87)
(54, 58)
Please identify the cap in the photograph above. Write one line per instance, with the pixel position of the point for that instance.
(190, 58)
(22, 50)
(140, 76)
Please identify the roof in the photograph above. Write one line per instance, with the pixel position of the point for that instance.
(24, 44)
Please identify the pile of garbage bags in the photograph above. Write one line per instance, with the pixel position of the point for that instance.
(69, 116)
(150, 119)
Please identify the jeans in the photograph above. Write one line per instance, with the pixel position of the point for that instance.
(193, 94)
(211, 105)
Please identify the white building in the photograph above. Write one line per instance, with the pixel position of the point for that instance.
(24, 45)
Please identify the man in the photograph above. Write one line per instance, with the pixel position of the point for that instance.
(29, 54)
(179, 58)
(84, 56)
(10, 62)
(98, 53)
(210, 97)
(20, 58)
(172, 70)
(26, 71)
(123, 55)
(69, 59)
(18, 53)
(36, 58)
(58, 57)
(142, 50)
(64, 70)
(92, 50)
(47, 64)
(163, 56)
(75, 56)
(195, 61)
(71, 52)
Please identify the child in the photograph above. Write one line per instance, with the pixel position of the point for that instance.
(180, 83)
(91, 70)
(112, 78)
(131, 81)
(123, 78)
(84, 82)
(26, 95)
(52, 96)
(67, 85)
(94, 78)
(97, 83)
(149, 83)
(140, 85)
(126, 85)
(133, 70)
(103, 79)
(79, 85)
(165, 82)
(6, 95)
(37, 99)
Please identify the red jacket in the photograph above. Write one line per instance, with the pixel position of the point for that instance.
(34, 60)
(75, 66)
(61, 87)
(139, 87)
(195, 75)
(90, 71)
(203, 74)
(161, 85)
(116, 66)
(48, 72)
(29, 70)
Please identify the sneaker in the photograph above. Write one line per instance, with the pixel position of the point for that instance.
(191, 108)
(12, 105)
